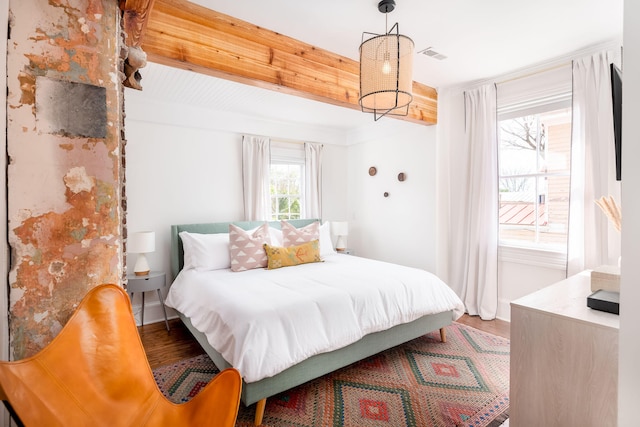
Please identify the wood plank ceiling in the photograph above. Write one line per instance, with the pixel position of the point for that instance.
(181, 34)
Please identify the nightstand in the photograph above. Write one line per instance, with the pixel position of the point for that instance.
(154, 281)
(346, 251)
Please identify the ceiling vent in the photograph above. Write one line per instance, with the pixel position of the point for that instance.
(430, 52)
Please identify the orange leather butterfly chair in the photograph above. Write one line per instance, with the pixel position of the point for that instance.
(95, 373)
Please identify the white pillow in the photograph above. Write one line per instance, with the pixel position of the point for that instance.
(205, 251)
(326, 244)
(275, 234)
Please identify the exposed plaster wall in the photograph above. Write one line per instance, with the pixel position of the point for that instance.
(64, 184)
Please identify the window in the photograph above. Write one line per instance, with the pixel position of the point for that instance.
(534, 161)
(286, 181)
(286, 190)
(534, 158)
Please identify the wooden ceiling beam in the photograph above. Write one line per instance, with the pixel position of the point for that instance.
(135, 14)
(185, 35)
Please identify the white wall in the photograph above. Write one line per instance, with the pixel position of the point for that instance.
(401, 227)
(629, 353)
(517, 279)
(179, 175)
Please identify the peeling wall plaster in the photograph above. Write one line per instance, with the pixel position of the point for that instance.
(64, 190)
(69, 108)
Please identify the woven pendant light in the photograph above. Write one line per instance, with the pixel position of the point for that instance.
(386, 70)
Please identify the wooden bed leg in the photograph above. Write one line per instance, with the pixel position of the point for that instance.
(260, 411)
(443, 335)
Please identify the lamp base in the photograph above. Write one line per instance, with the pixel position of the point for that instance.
(341, 245)
(142, 266)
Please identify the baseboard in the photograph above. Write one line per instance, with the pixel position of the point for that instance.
(152, 312)
(504, 310)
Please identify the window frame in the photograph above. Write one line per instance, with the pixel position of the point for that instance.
(534, 94)
(287, 153)
(537, 177)
(533, 256)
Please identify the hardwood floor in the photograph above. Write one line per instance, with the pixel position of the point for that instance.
(164, 347)
(497, 327)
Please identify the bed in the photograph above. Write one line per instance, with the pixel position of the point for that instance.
(212, 303)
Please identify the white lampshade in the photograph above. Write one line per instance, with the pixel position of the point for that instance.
(142, 243)
(340, 228)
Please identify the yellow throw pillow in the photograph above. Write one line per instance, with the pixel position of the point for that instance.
(278, 256)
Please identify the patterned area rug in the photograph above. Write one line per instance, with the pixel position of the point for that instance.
(463, 382)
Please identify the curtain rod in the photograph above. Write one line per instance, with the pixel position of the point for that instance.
(533, 73)
(276, 139)
(542, 70)
(288, 141)
(614, 45)
(285, 140)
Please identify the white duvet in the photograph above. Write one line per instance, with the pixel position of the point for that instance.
(265, 321)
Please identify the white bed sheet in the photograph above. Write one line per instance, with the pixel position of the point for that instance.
(265, 321)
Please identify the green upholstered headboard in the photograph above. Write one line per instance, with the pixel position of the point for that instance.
(177, 253)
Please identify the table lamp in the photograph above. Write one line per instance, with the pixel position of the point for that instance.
(142, 243)
(340, 229)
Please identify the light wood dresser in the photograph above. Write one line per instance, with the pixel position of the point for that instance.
(564, 359)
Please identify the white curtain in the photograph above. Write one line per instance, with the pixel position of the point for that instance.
(256, 160)
(313, 180)
(473, 257)
(592, 240)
